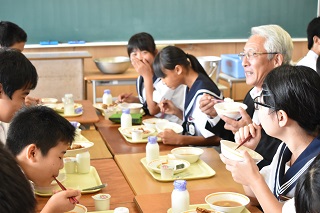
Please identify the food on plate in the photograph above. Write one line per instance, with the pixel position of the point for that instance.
(227, 203)
(75, 146)
(203, 210)
(105, 106)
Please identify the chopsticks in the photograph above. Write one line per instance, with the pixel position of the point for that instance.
(245, 140)
(72, 199)
(125, 97)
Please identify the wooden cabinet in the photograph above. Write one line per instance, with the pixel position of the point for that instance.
(59, 73)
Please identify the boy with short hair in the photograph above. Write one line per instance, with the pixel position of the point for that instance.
(16, 194)
(17, 77)
(12, 36)
(39, 137)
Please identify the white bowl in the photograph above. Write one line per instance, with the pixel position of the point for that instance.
(151, 122)
(161, 126)
(155, 164)
(227, 198)
(53, 186)
(49, 100)
(228, 149)
(85, 146)
(134, 107)
(113, 65)
(146, 131)
(79, 209)
(230, 109)
(190, 154)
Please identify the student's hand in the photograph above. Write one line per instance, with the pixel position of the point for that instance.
(206, 105)
(168, 107)
(127, 97)
(60, 202)
(234, 125)
(170, 137)
(244, 132)
(31, 101)
(143, 67)
(244, 172)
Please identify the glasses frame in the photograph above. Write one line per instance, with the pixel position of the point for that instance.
(250, 55)
(257, 103)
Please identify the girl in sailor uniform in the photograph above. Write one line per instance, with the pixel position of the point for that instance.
(177, 68)
(142, 50)
(288, 110)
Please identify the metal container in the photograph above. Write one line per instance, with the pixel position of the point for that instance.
(113, 65)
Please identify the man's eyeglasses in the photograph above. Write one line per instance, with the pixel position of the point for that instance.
(250, 54)
(257, 103)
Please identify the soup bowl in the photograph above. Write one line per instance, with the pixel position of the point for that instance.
(190, 154)
(229, 202)
(230, 109)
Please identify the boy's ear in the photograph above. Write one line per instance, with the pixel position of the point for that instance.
(282, 118)
(32, 152)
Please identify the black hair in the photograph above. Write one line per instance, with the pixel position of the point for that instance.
(16, 72)
(296, 90)
(313, 30)
(142, 41)
(16, 193)
(10, 34)
(41, 126)
(171, 56)
(307, 192)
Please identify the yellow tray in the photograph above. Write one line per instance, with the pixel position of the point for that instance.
(193, 207)
(197, 170)
(143, 140)
(107, 211)
(79, 181)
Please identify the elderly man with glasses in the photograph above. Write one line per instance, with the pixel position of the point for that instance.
(269, 46)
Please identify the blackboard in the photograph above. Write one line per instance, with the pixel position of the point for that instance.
(117, 20)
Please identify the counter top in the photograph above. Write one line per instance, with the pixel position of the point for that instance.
(57, 55)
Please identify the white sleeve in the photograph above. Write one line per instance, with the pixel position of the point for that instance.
(200, 119)
(288, 206)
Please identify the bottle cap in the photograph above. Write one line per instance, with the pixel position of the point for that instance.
(68, 95)
(107, 91)
(126, 111)
(180, 185)
(152, 139)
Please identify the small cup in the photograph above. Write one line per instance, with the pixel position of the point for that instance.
(102, 202)
(136, 135)
(166, 171)
(70, 164)
(108, 112)
(121, 210)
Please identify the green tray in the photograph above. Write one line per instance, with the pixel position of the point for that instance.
(136, 118)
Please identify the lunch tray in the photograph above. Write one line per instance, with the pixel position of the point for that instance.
(194, 206)
(106, 211)
(79, 181)
(143, 140)
(197, 170)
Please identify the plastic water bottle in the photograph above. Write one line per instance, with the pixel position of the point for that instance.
(180, 199)
(107, 97)
(68, 104)
(126, 119)
(152, 149)
(83, 162)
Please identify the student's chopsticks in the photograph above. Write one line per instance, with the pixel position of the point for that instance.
(72, 199)
(245, 140)
(125, 97)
